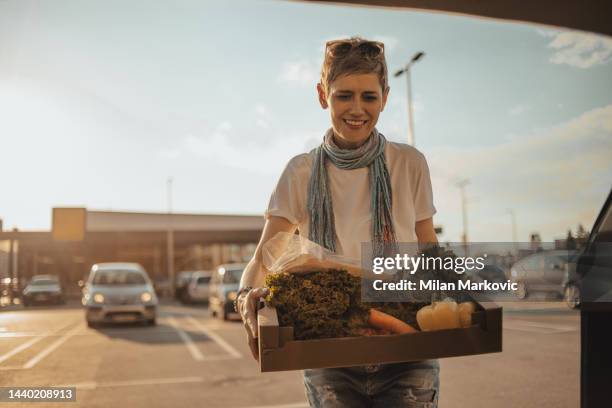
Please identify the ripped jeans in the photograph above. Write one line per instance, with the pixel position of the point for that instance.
(414, 384)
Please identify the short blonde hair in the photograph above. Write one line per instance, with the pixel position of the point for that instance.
(354, 55)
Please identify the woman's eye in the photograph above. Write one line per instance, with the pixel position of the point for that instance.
(370, 98)
(344, 97)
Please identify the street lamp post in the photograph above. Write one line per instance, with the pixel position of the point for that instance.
(461, 184)
(170, 236)
(406, 70)
(514, 234)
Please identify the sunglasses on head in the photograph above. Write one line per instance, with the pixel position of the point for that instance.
(339, 48)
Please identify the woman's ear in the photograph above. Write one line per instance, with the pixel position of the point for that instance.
(384, 98)
(322, 96)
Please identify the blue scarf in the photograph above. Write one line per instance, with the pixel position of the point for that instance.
(371, 155)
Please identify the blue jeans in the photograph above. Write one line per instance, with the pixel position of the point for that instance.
(415, 384)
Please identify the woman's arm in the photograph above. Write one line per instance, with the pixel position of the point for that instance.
(425, 231)
(255, 272)
(254, 275)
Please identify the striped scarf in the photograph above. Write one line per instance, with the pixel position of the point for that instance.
(372, 155)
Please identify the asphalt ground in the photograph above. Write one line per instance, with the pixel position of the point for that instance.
(192, 360)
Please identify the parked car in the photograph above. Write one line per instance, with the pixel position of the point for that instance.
(119, 292)
(163, 288)
(180, 285)
(541, 272)
(223, 287)
(198, 287)
(572, 285)
(43, 289)
(490, 273)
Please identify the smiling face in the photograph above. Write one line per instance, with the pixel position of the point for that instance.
(355, 102)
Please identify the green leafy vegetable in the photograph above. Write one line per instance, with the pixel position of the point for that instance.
(327, 304)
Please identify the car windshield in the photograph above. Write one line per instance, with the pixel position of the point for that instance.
(43, 282)
(119, 277)
(203, 280)
(232, 275)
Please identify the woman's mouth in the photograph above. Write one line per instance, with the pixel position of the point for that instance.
(355, 124)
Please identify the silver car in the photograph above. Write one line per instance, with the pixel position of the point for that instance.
(119, 292)
(43, 289)
(198, 287)
(223, 289)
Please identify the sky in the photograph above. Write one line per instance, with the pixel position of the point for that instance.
(102, 101)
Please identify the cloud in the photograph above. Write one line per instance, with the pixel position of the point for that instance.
(170, 154)
(555, 178)
(389, 41)
(578, 49)
(255, 149)
(519, 109)
(263, 116)
(302, 72)
(546, 32)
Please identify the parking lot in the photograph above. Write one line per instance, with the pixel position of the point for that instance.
(192, 360)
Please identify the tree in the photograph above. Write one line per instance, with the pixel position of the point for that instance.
(570, 242)
(582, 233)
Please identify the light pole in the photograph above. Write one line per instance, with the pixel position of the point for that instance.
(514, 235)
(170, 236)
(461, 184)
(406, 69)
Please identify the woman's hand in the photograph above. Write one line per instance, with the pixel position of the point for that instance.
(253, 275)
(247, 306)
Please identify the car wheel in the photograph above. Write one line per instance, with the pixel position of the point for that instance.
(521, 290)
(91, 324)
(152, 322)
(571, 296)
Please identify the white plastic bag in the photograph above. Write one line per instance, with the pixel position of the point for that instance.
(288, 252)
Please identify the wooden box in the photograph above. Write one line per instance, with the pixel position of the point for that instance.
(278, 351)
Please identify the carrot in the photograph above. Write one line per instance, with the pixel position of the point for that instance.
(383, 321)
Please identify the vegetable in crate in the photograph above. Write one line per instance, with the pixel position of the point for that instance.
(443, 275)
(445, 315)
(318, 304)
(327, 304)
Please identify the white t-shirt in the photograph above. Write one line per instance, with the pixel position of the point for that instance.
(350, 190)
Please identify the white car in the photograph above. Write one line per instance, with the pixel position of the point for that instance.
(198, 288)
(119, 292)
(43, 289)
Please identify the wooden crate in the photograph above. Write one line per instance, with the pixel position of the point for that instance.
(278, 351)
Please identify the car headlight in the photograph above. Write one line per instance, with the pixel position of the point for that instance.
(231, 296)
(98, 298)
(146, 297)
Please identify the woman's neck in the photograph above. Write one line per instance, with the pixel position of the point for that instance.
(346, 144)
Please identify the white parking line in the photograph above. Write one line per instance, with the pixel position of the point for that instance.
(538, 327)
(30, 343)
(91, 385)
(24, 334)
(195, 352)
(218, 339)
(45, 352)
(20, 348)
(294, 405)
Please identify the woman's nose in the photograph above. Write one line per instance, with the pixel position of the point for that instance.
(356, 107)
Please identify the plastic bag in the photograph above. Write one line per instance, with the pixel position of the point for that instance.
(288, 252)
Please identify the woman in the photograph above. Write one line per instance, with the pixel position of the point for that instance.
(355, 187)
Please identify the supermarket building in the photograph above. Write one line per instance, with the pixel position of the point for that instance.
(163, 243)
